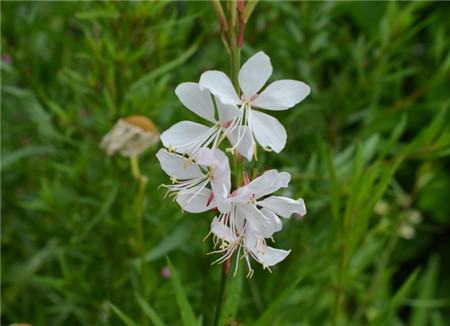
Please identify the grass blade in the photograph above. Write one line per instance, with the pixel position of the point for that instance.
(187, 313)
(270, 312)
(149, 311)
(123, 317)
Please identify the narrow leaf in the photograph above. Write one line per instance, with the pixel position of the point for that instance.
(187, 313)
(149, 311)
(270, 312)
(123, 317)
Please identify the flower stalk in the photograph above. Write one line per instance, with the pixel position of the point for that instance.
(247, 211)
(139, 204)
(236, 9)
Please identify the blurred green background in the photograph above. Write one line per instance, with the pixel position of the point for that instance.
(368, 151)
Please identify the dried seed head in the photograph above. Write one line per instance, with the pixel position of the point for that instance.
(130, 136)
(142, 122)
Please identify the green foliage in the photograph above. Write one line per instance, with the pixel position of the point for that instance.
(368, 151)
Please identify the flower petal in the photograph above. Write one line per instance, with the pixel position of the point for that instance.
(197, 203)
(243, 135)
(269, 182)
(178, 166)
(222, 231)
(284, 206)
(227, 112)
(221, 196)
(182, 135)
(264, 226)
(268, 131)
(220, 85)
(221, 182)
(282, 95)
(207, 157)
(265, 255)
(254, 74)
(196, 99)
(272, 219)
(271, 256)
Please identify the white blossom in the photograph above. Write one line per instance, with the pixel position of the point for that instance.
(253, 218)
(190, 180)
(187, 137)
(253, 124)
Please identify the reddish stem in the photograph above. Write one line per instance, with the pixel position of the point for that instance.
(240, 10)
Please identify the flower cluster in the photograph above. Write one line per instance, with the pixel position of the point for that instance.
(200, 170)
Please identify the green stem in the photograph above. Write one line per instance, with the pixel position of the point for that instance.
(221, 295)
(235, 66)
(235, 60)
(139, 204)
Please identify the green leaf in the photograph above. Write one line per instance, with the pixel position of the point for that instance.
(334, 188)
(13, 157)
(149, 311)
(270, 312)
(123, 317)
(169, 243)
(420, 315)
(108, 202)
(165, 68)
(97, 14)
(404, 290)
(187, 313)
(233, 295)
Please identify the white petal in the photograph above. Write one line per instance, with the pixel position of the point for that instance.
(182, 135)
(221, 182)
(271, 256)
(244, 136)
(272, 219)
(269, 182)
(178, 166)
(222, 231)
(268, 131)
(282, 95)
(220, 85)
(196, 99)
(254, 74)
(207, 157)
(197, 203)
(284, 206)
(264, 254)
(264, 226)
(227, 112)
(222, 171)
(221, 196)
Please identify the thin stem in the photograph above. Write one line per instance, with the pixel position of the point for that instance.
(235, 62)
(221, 295)
(139, 204)
(235, 66)
(251, 4)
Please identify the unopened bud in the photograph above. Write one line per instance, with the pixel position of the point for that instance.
(406, 231)
(414, 216)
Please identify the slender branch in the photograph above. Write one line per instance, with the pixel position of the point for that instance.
(221, 295)
(224, 30)
(251, 4)
(235, 10)
(139, 204)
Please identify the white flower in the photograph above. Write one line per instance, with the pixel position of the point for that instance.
(190, 180)
(253, 124)
(130, 136)
(192, 138)
(253, 218)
